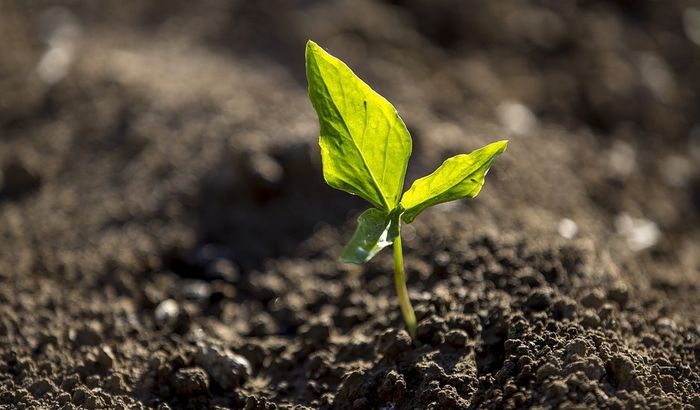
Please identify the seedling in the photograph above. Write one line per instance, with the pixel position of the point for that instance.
(365, 148)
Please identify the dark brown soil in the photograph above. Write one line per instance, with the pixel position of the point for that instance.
(166, 239)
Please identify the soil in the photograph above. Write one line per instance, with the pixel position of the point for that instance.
(167, 241)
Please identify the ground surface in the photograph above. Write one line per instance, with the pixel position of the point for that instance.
(166, 238)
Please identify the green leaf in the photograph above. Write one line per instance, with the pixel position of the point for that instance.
(375, 231)
(364, 143)
(461, 176)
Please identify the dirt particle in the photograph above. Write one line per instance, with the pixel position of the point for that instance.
(621, 369)
(88, 335)
(593, 299)
(576, 348)
(449, 398)
(70, 382)
(456, 338)
(319, 364)
(114, 383)
(63, 398)
(104, 358)
(545, 371)
(262, 325)
(92, 381)
(556, 389)
(619, 294)
(509, 389)
(592, 367)
(539, 300)
(431, 330)
(317, 332)
(649, 340)
(667, 383)
(87, 399)
(590, 320)
(226, 368)
(42, 387)
(350, 387)
(467, 322)
(258, 403)
(393, 342)
(191, 381)
(565, 309)
(393, 387)
(423, 311)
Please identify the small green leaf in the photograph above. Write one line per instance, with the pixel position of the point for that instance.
(375, 231)
(365, 145)
(461, 176)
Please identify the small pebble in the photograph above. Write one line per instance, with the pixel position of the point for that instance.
(640, 233)
(167, 311)
(517, 117)
(567, 228)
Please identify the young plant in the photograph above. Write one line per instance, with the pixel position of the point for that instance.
(365, 148)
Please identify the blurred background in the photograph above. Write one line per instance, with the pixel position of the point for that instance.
(138, 113)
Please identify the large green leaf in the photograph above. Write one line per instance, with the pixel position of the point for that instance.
(364, 143)
(461, 176)
(375, 231)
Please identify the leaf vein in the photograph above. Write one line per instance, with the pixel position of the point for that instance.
(361, 154)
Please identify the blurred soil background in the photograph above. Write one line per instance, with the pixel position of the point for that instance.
(167, 241)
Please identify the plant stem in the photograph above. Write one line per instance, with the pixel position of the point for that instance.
(400, 282)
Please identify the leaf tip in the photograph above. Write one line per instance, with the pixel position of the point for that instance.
(501, 146)
(310, 50)
(311, 45)
(313, 50)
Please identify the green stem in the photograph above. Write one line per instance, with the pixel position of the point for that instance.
(400, 282)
